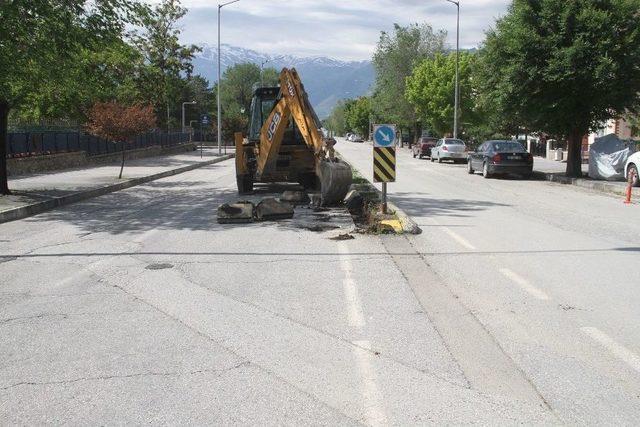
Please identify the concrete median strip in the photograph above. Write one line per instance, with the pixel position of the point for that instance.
(54, 202)
(409, 226)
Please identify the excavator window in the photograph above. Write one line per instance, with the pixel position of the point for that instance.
(262, 103)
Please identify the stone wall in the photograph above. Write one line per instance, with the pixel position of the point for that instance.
(79, 159)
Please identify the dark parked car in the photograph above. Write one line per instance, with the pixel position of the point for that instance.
(501, 158)
(423, 147)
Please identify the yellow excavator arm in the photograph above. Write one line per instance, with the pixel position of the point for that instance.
(293, 103)
(335, 176)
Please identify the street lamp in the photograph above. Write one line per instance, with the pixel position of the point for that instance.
(220, 6)
(457, 90)
(183, 104)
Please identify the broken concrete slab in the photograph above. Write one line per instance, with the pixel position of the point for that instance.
(273, 209)
(234, 213)
(354, 203)
(295, 197)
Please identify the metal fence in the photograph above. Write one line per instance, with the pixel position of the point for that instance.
(26, 144)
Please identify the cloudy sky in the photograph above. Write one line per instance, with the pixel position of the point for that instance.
(346, 30)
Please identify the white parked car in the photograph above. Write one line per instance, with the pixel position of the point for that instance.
(449, 149)
(631, 168)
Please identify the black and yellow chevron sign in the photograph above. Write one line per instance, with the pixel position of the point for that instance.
(384, 164)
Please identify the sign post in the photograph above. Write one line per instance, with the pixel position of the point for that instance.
(205, 120)
(384, 158)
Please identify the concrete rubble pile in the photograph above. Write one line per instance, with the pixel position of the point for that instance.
(267, 209)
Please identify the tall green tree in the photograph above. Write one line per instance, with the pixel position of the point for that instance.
(270, 77)
(431, 87)
(168, 60)
(39, 40)
(396, 55)
(564, 67)
(103, 72)
(196, 88)
(336, 122)
(359, 115)
(237, 84)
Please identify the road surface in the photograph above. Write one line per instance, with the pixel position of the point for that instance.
(551, 273)
(137, 307)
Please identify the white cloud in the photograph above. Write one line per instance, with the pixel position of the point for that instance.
(347, 30)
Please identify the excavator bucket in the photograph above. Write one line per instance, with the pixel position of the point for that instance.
(335, 180)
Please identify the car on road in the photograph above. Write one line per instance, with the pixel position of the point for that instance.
(631, 169)
(356, 138)
(449, 149)
(424, 146)
(498, 157)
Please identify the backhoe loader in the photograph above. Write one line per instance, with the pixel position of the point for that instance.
(285, 144)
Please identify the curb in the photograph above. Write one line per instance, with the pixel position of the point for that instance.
(409, 226)
(600, 186)
(39, 207)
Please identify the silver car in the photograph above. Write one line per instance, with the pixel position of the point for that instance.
(449, 149)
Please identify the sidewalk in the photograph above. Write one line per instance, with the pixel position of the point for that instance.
(554, 171)
(544, 165)
(36, 193)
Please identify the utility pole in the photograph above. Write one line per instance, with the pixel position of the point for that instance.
(457, 89)
(220, 6)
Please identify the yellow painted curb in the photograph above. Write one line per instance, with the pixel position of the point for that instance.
(393, 223)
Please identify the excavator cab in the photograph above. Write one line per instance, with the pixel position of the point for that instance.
(263, 101)
(284, 144)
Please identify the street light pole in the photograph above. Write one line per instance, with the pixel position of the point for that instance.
(183, 104)
(457, 89)
(220, 6)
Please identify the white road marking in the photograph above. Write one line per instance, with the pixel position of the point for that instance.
(618, 350)
(524, 284)
(458, 238)
(374, 410)
(455, 236)
(89, 268)
(354, 307)
(86, 270)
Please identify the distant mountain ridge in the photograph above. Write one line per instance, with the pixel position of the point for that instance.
(326, 80)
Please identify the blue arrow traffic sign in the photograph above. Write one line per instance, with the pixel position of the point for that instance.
(384, 135)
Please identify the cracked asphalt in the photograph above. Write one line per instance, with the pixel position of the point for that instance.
(137, 307)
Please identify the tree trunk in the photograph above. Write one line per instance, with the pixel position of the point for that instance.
(574, 155)
(416, 129)
(124, 149)
(4, 122)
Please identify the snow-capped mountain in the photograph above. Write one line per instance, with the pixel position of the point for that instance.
(327, 80)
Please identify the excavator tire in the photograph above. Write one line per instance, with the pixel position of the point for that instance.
(245, 184)
(335, 180)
